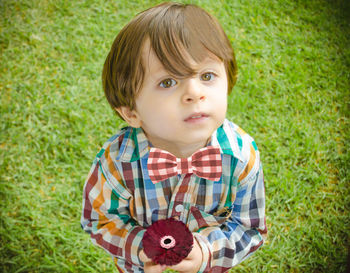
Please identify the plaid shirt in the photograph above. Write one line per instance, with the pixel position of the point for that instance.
(226, 217)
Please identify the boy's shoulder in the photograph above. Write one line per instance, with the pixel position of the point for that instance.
(235, 141)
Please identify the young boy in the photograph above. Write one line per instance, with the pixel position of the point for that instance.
(168, 75)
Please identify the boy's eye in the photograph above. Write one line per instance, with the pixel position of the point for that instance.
(207, 76)
(167, 83)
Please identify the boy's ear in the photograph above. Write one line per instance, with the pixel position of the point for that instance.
(130, 116)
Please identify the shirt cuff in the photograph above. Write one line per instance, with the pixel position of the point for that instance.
(133, 245)
(206, 250)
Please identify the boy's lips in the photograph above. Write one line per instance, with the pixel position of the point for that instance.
(196, 117)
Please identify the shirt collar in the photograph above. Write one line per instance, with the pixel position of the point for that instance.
(228, 138)
(135, 144)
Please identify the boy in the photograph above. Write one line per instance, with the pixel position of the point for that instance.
(168, 75)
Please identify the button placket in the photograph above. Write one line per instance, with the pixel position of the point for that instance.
(177, 201)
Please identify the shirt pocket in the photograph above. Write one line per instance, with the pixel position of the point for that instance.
(199, 219)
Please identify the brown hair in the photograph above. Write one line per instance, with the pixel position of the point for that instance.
(171, 28)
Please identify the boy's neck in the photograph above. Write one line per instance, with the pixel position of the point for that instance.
(179, 150)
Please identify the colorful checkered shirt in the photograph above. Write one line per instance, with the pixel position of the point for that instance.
(226, 217)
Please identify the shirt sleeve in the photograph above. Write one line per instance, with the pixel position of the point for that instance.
(243, 232)
(106, 215)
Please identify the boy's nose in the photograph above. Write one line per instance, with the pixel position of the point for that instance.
(193, 91)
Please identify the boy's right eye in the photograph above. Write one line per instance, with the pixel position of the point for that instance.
(167, 83)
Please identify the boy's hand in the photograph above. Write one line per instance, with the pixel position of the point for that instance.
(193, 262)
(190, 264)
(149, 265)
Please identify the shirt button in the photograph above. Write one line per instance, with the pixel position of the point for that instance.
(179, 208)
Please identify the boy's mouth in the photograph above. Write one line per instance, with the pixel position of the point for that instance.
(196, 117)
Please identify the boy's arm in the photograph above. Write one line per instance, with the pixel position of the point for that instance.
(225, 246)
(106, 217)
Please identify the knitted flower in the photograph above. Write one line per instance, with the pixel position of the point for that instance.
(167, 242)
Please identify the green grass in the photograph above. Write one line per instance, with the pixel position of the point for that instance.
(292, 95)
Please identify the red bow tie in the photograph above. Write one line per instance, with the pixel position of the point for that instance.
(205, 163)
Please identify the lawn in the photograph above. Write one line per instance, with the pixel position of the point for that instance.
(292, 95)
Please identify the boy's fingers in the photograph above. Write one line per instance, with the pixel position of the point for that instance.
(154, 268)
(184, 266)
(143, 257)
(149, 265)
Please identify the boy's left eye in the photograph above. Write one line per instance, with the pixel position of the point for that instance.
(207, 76)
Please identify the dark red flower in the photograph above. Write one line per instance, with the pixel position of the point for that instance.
(167, 242)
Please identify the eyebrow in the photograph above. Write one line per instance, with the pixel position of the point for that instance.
(209, 61)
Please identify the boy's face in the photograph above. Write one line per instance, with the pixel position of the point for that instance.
(180, 115)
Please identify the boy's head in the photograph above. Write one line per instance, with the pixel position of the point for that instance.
(176, 33)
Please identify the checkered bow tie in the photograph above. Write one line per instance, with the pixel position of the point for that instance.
(205, 163)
